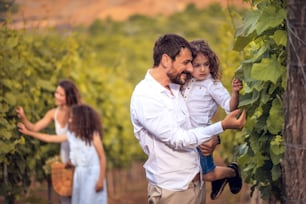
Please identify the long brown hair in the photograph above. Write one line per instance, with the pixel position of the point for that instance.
(72, 93)
(85, 122)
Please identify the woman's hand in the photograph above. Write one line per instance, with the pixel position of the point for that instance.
(20, 112)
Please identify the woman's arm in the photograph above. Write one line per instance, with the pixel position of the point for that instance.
(40, 124)
(41, 136)
(101, 154)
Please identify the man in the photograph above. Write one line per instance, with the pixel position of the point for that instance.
(162, 126)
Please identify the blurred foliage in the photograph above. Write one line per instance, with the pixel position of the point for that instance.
(261, 38)
(7, 7)
(106, 61)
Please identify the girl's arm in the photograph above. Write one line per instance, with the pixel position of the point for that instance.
(236, 87)
(41, 136)
(39, 125)
(100, 151)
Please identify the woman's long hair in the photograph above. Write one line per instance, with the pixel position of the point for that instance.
(72, 93)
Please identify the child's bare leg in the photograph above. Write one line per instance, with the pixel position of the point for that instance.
(219, 172)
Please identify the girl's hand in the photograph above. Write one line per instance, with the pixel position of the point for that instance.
(209, 146)
(99, 185)
(22, 128)
(20, 112)
(236, 85)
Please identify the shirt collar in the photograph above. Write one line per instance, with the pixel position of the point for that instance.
(175, 88)
(194, 80)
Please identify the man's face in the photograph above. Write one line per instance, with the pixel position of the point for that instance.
(181, 67)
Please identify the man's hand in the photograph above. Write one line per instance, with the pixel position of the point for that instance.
(232, 122)
(208, 147)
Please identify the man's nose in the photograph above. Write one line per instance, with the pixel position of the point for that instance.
(189, 67)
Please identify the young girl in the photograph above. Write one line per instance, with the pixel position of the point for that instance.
(86, 154)
(203, 93)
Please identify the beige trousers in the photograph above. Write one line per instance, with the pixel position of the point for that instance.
(195, 194)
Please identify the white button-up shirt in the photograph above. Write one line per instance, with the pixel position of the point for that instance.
(162, 126)
(202, 99)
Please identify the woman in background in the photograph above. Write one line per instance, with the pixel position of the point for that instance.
(86, 154)
(66, 95)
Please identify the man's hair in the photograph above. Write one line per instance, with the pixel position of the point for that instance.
(170, 44)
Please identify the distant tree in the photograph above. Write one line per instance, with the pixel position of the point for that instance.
(7, 6)
(295, 106)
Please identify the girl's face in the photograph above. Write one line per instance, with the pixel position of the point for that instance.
(60, 96)
(200, 67)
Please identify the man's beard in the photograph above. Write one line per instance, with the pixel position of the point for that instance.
(178, 78)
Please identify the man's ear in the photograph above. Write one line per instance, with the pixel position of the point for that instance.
(165, 61)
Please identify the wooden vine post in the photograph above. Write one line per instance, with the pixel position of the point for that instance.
(295, 105)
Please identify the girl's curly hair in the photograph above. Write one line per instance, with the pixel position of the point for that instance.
(200, 46)
(85, 122)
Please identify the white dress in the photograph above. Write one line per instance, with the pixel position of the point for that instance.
(64, 152)
(87, 170)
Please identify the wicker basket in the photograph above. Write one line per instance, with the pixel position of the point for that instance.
(62, 178)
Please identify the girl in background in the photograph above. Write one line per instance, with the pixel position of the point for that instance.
(66, 95)
(86, 154)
